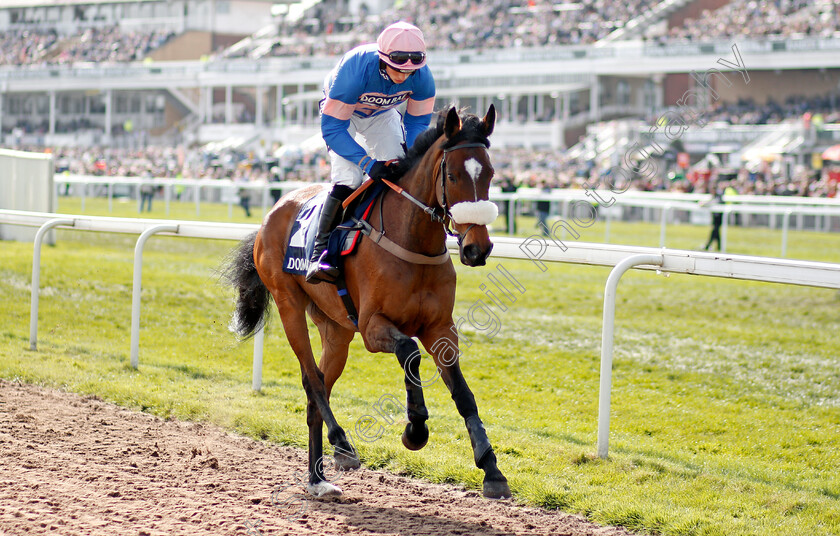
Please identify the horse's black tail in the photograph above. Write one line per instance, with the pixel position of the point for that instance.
(253, 298)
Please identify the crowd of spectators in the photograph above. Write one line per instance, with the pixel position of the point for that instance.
(526, 168)
(516, 167)
(764, 180)
(504, 24)
(453, 25)
(751, 18)
(448, 24)
(458, 25)
(97, 45)
(327, 29)
(747, 111)
(26, 47)
(190, 163)
(111, 44)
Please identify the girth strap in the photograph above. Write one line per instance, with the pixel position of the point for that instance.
(352, 313)
(398, 251)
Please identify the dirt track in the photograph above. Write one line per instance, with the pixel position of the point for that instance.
(79, 466)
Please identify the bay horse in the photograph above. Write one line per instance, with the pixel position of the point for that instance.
(448, 172)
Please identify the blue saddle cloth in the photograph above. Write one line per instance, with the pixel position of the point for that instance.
(343, 239)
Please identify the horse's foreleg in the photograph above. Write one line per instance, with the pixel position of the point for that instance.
(383, 336)
(317, 484)
(416, 432)
(445, 352)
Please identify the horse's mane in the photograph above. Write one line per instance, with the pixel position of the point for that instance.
(470, 132)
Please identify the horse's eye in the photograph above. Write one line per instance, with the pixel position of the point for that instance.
(451, 177)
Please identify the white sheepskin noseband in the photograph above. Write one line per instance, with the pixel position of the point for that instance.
(477, 212)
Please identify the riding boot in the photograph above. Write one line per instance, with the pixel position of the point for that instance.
(319, 269)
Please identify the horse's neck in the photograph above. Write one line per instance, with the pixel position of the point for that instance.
(406, 223)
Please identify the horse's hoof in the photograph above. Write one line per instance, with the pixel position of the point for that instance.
(324, 489)
(414, 438)
(344, 462)
(496, 489)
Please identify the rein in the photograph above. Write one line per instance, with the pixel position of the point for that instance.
(424, 207)
(433, 214)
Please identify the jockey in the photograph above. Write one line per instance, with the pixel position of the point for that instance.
(360, 122)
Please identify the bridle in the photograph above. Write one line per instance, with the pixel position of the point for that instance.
(442, 178)
(446, 218)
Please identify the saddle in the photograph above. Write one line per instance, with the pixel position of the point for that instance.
(344, 238)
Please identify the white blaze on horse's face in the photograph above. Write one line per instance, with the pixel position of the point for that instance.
(473, 168)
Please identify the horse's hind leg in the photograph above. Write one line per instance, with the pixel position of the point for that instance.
(318, 409)
(335, 341)
(443, 345)
(383, 336)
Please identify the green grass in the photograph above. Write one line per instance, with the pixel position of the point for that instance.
(725, 401)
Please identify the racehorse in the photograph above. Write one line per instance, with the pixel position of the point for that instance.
(404, 292)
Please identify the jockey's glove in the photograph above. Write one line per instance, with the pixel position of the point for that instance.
(384, 170)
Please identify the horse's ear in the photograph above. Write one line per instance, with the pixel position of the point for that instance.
(489, 121)
(452, 124)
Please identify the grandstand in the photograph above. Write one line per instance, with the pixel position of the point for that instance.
(592, 76)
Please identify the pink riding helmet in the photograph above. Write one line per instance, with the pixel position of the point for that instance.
(402, 37)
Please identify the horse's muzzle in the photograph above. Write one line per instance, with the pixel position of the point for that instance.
(475, 255)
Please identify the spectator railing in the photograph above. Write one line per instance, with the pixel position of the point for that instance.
(654, 206)
(663, 206)
(224, 190)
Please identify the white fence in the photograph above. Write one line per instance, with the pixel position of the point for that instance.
(535, 248)
(195, 191)
(663, 207)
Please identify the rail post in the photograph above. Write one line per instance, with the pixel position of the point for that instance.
(36, 276)
(785, 225)
(724, 228)
(136, 287)
(663, 224)
(259, 339)
(607, 338)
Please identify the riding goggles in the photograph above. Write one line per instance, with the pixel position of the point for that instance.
(401, 58)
